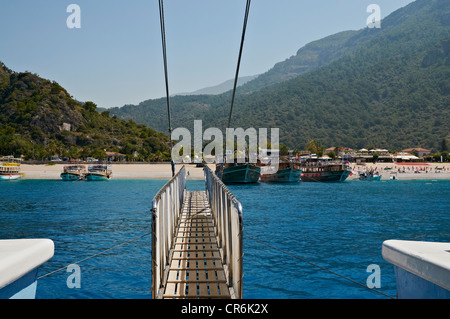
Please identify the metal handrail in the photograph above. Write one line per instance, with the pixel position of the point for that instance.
(166, 209)
(227, 214)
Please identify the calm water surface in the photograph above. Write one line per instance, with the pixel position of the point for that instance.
(340, 227)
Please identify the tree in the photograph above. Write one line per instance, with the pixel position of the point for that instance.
(74, 152)
(315, 147)
(332, 154)
(90, 106)
(99, 154)
(444, 146)
(284, 150)
(375, 157)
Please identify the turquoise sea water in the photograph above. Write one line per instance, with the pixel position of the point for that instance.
(339, 226)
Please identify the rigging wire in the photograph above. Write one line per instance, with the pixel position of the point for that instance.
(247, 9)
(166, 75)
(95, 255)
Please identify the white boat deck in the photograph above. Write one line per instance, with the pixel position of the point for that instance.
(427, 260)
(20, 256)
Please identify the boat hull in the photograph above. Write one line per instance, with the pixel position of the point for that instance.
(370, 178)
(22, 288)
(241, 173)
(422, 269)
(287, 175)
(10, 177)
(97, 177)
(70, 177)
(326, 176)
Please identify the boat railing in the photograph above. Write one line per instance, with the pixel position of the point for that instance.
(10, 160)
(227, 213)
(323, 163)
(166, 208)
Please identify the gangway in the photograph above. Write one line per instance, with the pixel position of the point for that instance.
(197, 247)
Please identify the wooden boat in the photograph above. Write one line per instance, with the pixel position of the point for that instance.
(10, 168)
(314, 170)
(287, 172)
(73, 173)
(238, 173)
(99, 173)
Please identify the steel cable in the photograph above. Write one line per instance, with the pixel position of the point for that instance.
(95, 255)
(247, 10)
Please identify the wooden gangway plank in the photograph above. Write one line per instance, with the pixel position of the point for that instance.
(196, 240)
(196, 269)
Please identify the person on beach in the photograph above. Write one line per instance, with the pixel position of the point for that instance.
(172, 163)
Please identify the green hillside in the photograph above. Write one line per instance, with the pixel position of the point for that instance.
(39, 119)
(310, 57)
(387, 87)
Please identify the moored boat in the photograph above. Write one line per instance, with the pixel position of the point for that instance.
(73, 173)
(99, 173)
(238, 173)
(10, 168)
(314, 170)
(287, 173)
(369, 176)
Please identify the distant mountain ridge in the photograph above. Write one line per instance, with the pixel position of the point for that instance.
(220, 88)
(386, 87)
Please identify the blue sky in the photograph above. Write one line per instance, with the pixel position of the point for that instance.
(115, 58)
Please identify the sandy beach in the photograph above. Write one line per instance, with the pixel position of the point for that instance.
(401, 171)
(404, 171)
(120, 171)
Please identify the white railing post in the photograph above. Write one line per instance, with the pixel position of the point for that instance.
(166, 207)
(227, 214)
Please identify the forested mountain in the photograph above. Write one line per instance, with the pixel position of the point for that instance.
(387, 87)
(39, 119)
(310, 57)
